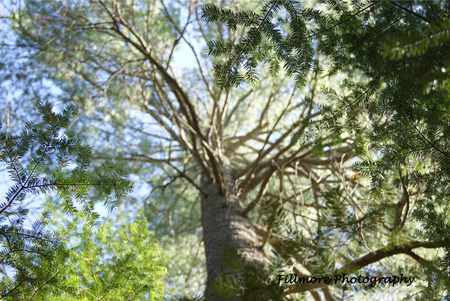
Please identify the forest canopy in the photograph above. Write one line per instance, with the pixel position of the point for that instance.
(265, 139)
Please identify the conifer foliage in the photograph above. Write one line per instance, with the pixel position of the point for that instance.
(259, 204)
(46, 157)
(395, 57)
(118, 261)
(264, 42)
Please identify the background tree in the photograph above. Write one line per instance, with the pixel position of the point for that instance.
(259, 200)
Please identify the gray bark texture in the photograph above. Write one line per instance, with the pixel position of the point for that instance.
(231, 246)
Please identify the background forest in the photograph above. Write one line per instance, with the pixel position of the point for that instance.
(186, 149)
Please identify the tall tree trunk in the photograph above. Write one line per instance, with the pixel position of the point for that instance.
(231, 247)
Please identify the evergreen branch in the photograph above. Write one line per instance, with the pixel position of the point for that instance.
(342, 22)
(447, 155)
(44, 152)
(121, 271)
(36, 290)
(7, 150)
(11, 200)
(411, 12)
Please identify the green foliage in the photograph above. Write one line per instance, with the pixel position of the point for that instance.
(116, 56)
(264, 42)
(395, 57)
(117, 261)
(31, 163)
(110, 123)
(35, 262)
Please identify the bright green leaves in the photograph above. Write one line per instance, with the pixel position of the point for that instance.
(120, 262)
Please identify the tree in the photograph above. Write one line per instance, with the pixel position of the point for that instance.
(263, 202)
(36, 262)
(401, 49)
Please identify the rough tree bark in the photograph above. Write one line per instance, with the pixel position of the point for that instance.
(230, 241)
